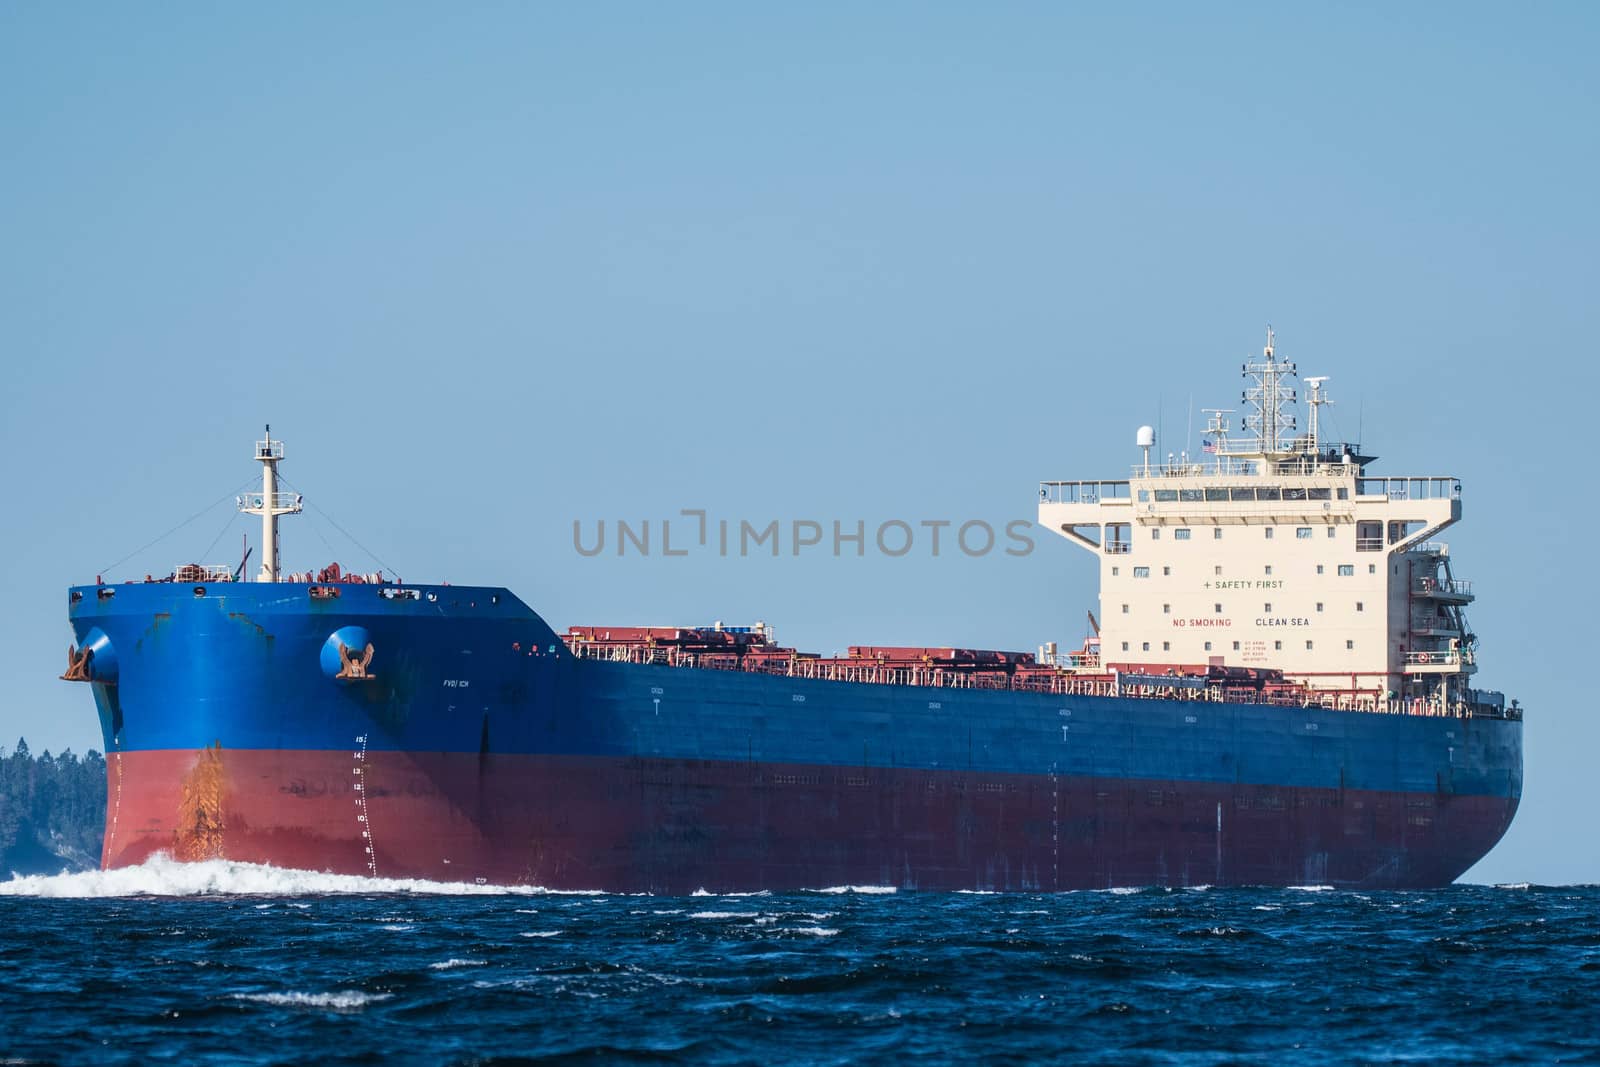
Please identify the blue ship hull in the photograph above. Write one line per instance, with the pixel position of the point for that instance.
(480, 748)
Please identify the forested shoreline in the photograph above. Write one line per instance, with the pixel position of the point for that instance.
(52, 811)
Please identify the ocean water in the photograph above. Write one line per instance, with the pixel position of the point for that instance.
(220, 962)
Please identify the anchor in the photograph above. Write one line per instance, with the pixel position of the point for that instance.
(353, 669)
(79, 662)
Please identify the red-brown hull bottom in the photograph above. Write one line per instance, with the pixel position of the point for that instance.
(674, 826)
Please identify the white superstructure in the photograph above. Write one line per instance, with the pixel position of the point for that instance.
(1276, 550)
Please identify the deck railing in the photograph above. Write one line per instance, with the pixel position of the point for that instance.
(1060, 682)
(1410, 488)
(280, 501)
(1084, 492)
(203, 572)
(1442, 587)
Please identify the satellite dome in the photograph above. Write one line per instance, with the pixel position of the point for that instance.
(1147, 437)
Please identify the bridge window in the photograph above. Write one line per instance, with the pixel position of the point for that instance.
(1319, 494)
(1343, 493)
(1166, 496)
(1347, 570)
(1269, 492)
(1141, 572)
(1181, 534)
(1190, 494)
(1216, 494)
(1302, 533)
(1242, 493)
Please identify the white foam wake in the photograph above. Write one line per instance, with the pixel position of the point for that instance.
(338, 1000)
(162, 876)
(872, 890)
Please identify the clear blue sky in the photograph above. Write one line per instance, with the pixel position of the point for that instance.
(489, 269)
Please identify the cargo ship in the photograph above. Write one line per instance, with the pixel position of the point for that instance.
(1275, 690)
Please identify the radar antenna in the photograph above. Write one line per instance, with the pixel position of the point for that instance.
(1316, 400)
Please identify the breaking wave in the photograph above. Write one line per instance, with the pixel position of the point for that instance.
(873, 890)
(339, 1000)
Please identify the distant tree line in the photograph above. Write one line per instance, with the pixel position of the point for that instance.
(52, 811)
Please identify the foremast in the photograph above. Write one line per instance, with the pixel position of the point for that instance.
(269, 504)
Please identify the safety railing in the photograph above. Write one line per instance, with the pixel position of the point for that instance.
(1442, 658)
(203, 572)
(1442, 587)
(1060, 682)
(1399, 488)
(280, 501)
(1085, 492)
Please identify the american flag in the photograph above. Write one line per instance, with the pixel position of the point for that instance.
(1208, 446)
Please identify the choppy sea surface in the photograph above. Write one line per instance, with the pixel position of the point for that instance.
(221, 962)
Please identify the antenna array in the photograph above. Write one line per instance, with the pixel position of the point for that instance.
(1269, 417)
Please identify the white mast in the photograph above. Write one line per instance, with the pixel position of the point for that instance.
(1269, 401)
(269, 504)
(1317, 399)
